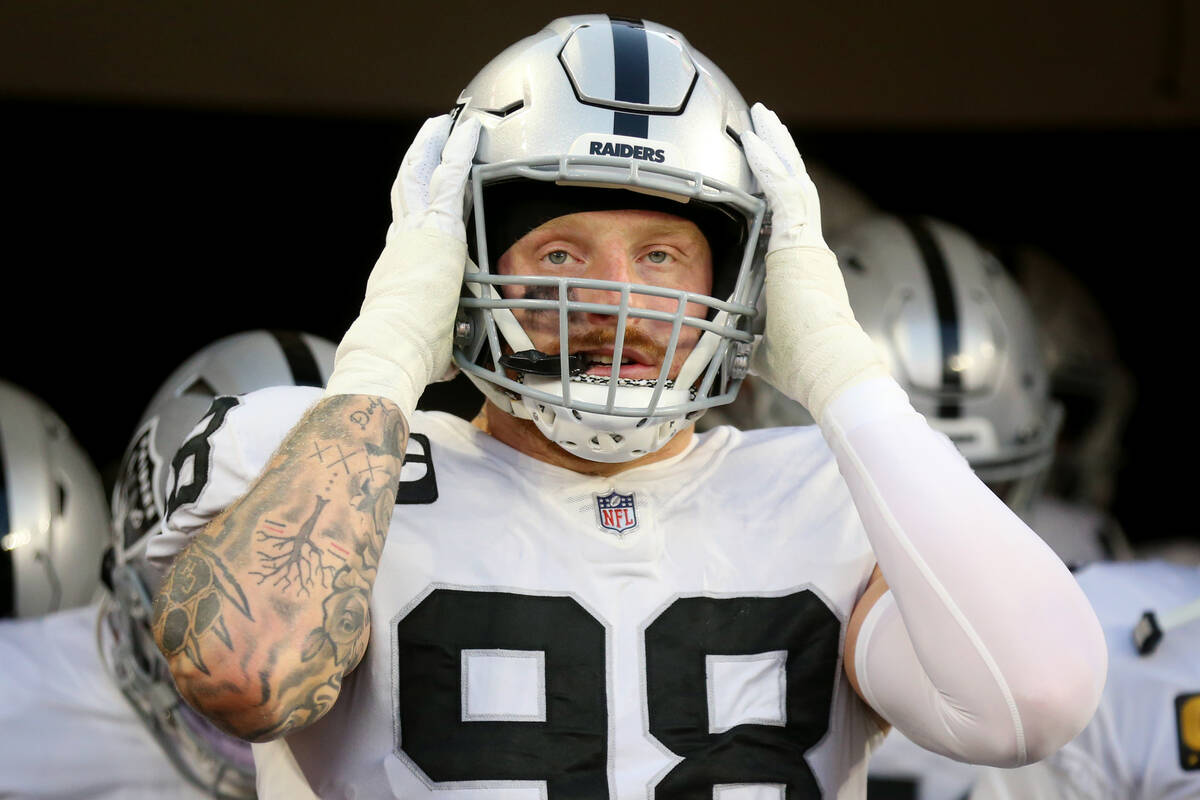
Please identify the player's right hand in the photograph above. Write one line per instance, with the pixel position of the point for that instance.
(428, 190)
(404, 332)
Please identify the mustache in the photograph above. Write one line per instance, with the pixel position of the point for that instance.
(635, 338)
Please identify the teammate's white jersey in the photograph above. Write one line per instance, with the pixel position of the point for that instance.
(66, 731)
(1079, 534)
(541, 633)
(1144, 742)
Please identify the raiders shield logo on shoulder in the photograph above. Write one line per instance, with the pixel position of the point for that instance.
(616, 512)
(1187, 714)
(136, 509)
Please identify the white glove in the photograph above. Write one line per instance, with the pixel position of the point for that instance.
(404, 332)
(813, 348)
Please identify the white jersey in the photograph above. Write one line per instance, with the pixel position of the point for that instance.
(66, 731)
(540, 633)
(1144, 742)
(1079, 534)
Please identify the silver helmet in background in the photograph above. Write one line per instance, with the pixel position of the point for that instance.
(958, 335)
(53, 518)
(1086, 375)
(604, 113)
(843, 204)
(204, 389)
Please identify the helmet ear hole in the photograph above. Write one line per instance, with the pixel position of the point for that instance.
(201, 388)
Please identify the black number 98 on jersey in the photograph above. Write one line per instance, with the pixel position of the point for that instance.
(564, 741)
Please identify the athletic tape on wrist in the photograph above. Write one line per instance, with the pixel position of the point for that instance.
(402, 337)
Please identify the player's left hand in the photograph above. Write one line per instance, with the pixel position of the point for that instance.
(813, 348)
(791, 193)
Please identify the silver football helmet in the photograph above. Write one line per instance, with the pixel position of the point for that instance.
(602, 113)
(53, 519)
(1086, 376)
(201, 388)
(843, 204)
(957, 334)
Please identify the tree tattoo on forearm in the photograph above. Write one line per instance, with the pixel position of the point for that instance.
(345, 615)
(293, 560)
(303, 543)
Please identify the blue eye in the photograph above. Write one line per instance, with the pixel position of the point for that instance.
(557, 257)
(657, 256)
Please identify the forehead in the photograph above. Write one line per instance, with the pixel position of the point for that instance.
(631, 222)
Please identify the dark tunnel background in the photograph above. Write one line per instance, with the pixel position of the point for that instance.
(137, 235)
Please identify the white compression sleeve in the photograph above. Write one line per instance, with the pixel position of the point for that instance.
(984, 649)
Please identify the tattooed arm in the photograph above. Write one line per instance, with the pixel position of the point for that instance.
(266, 610)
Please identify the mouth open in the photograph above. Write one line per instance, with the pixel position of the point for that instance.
(635, 365)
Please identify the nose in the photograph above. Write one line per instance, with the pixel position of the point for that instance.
(609, 264)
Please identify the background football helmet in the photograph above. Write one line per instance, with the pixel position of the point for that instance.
(237, 364)
(957, 334)
(53, 519)
(1086, 376)
(843, 204)
(579, 117)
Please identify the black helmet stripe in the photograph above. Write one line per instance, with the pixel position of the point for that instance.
(947, 311)
(300, 358)
(631, 68)
(8, 583)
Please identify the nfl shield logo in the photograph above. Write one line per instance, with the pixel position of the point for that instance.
(616, 512)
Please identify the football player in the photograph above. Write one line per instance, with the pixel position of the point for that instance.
(1144, 742)
(87, 706)
(577, 597)
(53, 518)
(1097, 394)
